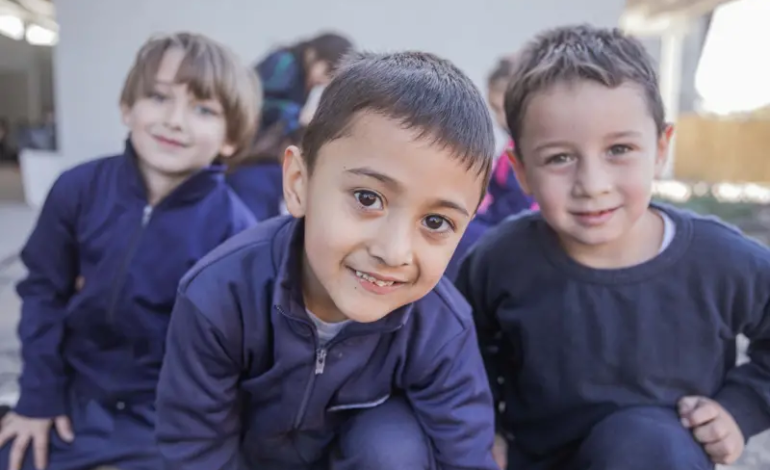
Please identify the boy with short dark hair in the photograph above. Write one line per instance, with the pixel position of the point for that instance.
(114, 238)
(608, 323)
(329, 340)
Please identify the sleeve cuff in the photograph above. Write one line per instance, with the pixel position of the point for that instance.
(746, 407)
(39, 404)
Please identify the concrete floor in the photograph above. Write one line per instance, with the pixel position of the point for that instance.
(17, 220)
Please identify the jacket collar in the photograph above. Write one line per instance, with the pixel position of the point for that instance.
(194, 188)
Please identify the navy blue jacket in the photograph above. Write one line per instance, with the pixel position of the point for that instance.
(243, 376)
(105, 339)
(260, 187)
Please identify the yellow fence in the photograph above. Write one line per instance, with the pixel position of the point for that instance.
(713, 149)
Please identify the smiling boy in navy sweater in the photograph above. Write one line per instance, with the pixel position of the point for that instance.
(329, 339)
(611, 321)
(114, 238)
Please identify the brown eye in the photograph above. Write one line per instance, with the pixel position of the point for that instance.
(368, 199)
(437, 223)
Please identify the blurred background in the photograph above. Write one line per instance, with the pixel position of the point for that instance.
(62, 65)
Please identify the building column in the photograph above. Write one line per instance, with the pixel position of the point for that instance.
(672, 44)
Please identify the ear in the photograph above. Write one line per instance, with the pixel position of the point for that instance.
(227, 150)
(663, 150)
(295, 181)
(125, 114)
(518, 170)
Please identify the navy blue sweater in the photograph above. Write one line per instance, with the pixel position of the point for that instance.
(244, 376)
(573, 344)
(106, 338)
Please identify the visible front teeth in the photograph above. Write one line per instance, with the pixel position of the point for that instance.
(373, 280)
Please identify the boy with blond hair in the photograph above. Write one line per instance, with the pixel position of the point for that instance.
(112, 241)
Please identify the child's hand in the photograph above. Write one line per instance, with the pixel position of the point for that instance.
(500, 452)
(23, 431)
(713, 427)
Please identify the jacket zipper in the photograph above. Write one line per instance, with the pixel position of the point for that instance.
(318, 369)
(118, 284)
(320, 361)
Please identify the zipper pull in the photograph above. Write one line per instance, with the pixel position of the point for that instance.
(146, 214)
(320, 361)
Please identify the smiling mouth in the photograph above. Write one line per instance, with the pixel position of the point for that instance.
(595, 213)
(171, 142)
(375, 280)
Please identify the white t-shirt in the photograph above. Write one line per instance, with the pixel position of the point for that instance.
(326, 331)
(669, 230)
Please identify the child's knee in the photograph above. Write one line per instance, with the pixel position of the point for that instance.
(643, 438)
(381, 455)
(385, 437)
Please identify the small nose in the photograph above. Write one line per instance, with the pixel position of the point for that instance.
(592, 179)
(175, 114)
(393, 244)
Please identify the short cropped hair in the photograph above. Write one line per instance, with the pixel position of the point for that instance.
(575, 53)
(421, 91)
(211, 71)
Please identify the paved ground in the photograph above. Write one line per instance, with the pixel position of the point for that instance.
(16, 220)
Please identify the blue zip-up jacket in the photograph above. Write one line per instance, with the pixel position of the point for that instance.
(105, 339)
(260, 187)
(243, 376)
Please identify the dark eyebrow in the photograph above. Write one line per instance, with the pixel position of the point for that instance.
(446, 204)
(381, 177)
(397, 186)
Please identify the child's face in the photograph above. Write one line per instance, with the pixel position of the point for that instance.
(174, 133)
(589, 156)
(383, 212)
(318, 74)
